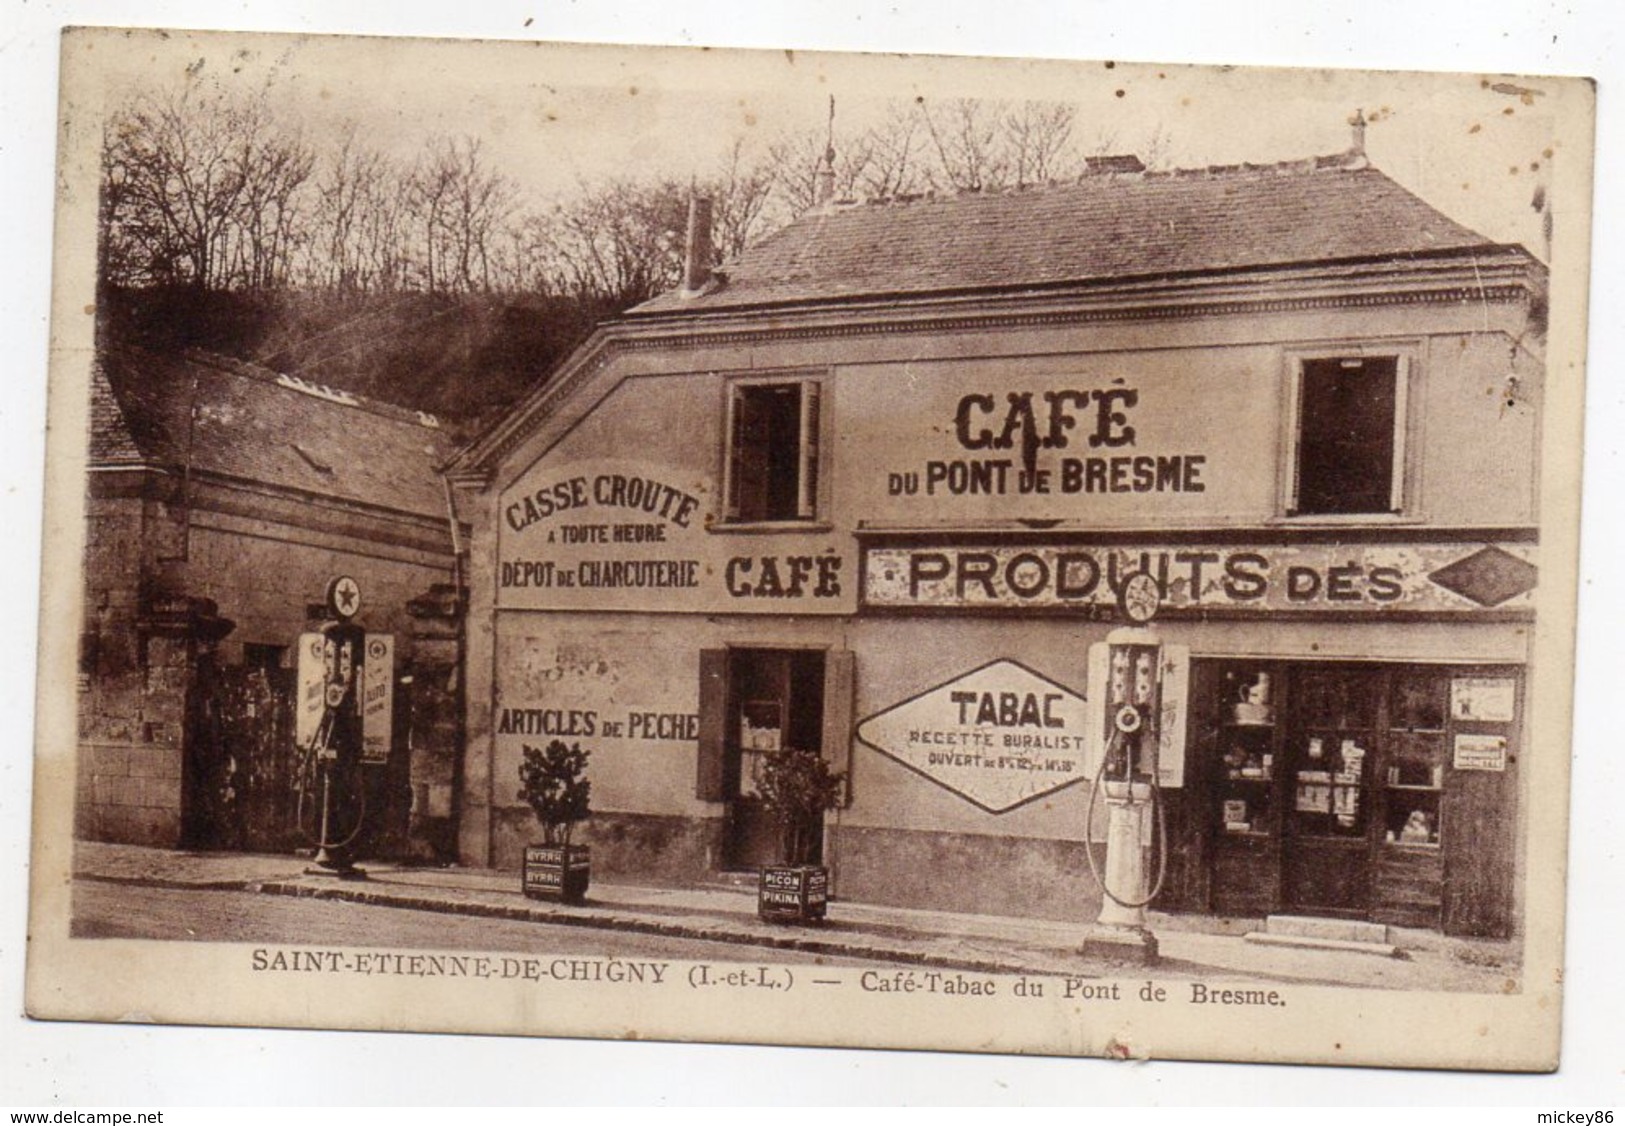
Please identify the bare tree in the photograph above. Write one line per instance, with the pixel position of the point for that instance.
(356, 243)
(740, 193)
(893, 152)
(619, 242)
(273, 167)
(967, 143)
(459, 206)
(1037, 138)
(201, 188)
(176, 162)
(795, 158)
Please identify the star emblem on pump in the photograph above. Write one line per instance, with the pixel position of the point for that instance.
(344, 597)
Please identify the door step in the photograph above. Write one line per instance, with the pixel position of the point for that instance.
(1309, 933)
(1314, 926)
(732, 880)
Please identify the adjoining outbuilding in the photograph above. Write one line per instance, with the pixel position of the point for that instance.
(222, 499)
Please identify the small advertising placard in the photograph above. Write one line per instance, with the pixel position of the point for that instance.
(1480, 752)
(1483, 699)
(378, 697)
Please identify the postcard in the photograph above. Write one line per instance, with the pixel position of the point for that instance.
(1070, 558)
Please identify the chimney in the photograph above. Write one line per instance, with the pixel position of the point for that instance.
(697, 276)
(1357, 122)
(1126, 164)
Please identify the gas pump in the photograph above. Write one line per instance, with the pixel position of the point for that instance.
(332, 805)
(1129, 774)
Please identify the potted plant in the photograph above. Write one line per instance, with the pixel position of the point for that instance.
(556, 789)
(795, 788)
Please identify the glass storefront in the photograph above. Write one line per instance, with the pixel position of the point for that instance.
(1361, 790)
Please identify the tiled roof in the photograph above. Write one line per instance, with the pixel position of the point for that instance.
(1101, 227)
(253, 424)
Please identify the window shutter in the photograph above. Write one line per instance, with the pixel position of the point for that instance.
(734, 425)
(807, 497)
(711, 775)
(1402, 392)
(840, 667)
(1294, 465)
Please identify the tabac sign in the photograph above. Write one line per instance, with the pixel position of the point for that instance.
(999, 737)
(1269, 578)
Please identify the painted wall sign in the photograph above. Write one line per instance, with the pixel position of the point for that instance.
(568, 723)
(999, 736)
(1112, 436)
(1480, 752)
(1310, 576)
(616, 535)
(1016, 438)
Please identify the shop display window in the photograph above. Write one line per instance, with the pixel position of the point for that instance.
(771, 470)
(1416, 761)
(1246, 791)
(1334, 755)
(1343, 788)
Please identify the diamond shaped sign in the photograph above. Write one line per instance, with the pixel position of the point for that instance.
(1488, 576)
(999, 736)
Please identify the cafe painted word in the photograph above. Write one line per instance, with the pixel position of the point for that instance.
(790, 576)
(1020, 428)
(1266, 577)
(999, 736)
(604, 490)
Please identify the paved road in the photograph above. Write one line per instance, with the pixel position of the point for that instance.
(104, 910)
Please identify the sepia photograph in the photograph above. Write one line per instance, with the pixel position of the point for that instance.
(777, 547)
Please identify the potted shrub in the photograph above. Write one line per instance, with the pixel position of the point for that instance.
(795, 788)
(556, 789)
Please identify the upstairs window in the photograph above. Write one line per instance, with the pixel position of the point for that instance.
(771, 473)
(1349, 454)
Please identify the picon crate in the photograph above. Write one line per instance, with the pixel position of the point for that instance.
(798, 894)
(557, 872)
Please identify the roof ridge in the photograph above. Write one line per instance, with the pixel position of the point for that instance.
(248, 369)
(1350, 160)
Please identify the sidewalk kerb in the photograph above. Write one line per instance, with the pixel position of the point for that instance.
(710, 930)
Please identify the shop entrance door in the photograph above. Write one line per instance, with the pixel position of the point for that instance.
(1331, 744)
(777, 708)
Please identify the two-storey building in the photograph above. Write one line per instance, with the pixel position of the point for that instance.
(873, 490)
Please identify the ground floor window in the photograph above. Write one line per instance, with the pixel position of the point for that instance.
(1363, 790)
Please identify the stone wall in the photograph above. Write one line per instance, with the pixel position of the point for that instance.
(247, 558)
